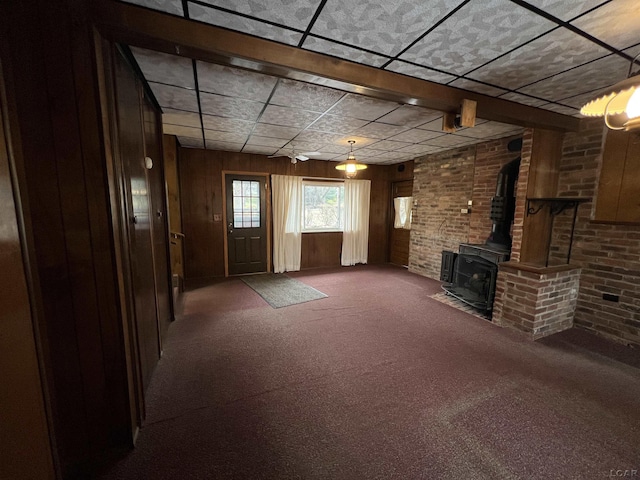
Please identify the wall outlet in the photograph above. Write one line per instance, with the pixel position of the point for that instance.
(464, 210)
(470, 202)
(217, 217)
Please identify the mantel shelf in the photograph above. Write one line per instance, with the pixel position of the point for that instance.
(556, 205)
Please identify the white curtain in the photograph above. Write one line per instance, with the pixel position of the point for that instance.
(402, 206)
(286, 193)
(355, 239)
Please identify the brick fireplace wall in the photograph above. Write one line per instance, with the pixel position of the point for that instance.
(442, 185)
(609, 255)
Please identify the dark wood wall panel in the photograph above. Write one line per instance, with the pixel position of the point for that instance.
(56, 128)
(201, 193)
(170, 155)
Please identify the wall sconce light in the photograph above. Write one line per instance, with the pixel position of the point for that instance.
(350, 166)
(618, 104)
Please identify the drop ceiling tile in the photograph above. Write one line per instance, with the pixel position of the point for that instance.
(314, 136)
(364, 108)
(434, 125)
(275, 131)
(477, 87)
(287, 117)
(177, 98)
(164, 68)
(592, 76)
(301, 147)
(389, 145)
(333, 150)
(409, 116)
(345, 52)
(365, 153)
(548, 55)
(168, 6)
(519, 98)
(489, 129)
(449, 140)
(224, 146)
(234, 82)
(267, 141)
(419, 72)
(295, 13)
(225, 124)
(394, 157)
(554, 107)
(230, 107)
(212, 16)
(360, 142)
(563, 9)
(577, 101)
(418, 149)
(379, 130)
(477, 33)
(177, 117)
(259, 150)
(225, 136)
(379, 25)
(417, 135)
(615, 23)
(337, 124)
(305, 95)
(189, 142)
(181, 131)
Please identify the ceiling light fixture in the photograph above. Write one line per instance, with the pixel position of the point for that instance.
(351, 165)
(618, 104)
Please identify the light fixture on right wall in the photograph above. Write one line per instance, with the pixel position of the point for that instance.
(618, 104)
(351, 166)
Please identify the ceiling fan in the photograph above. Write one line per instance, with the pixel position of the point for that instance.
(294, 156)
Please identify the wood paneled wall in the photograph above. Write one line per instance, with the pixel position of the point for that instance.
(201, 193)
(56, 133)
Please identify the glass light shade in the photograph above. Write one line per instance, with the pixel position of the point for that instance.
(619, 104)
(350, 166)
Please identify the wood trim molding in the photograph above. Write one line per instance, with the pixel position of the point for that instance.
(154, 30)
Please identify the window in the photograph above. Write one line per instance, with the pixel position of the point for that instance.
(246, 204)
(323, 207)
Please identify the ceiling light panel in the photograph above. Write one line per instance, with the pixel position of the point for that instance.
(380, 25)
(219, 18)
(477, 33)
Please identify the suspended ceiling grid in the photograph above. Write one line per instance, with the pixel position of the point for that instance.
(550, 54)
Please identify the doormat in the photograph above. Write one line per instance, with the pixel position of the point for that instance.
(279, 291)
(460, 305)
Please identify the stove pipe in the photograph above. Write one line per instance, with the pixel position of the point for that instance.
(503, 204)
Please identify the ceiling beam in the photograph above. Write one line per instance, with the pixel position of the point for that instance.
(154, 30)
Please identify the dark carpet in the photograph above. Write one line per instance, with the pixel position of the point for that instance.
(279, 290)
(377, 381)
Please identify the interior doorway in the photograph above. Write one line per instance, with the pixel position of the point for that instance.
(246, 223)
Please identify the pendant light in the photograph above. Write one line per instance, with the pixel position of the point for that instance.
(351, 165)
(618, 104)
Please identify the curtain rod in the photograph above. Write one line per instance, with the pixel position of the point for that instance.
(324, 179)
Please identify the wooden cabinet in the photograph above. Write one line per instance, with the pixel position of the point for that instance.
(618, 195)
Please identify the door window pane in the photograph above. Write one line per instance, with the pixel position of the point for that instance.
(246, 204)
